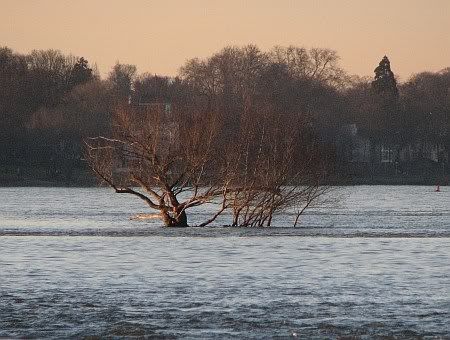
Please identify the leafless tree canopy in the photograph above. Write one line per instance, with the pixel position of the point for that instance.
(239, 140)
(160, 153)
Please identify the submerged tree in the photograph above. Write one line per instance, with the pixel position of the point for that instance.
(235, 130)
(177, 161)
(160, 156)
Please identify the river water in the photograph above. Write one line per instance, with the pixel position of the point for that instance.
(374, 262)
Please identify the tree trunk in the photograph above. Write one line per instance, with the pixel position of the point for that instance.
(179, 221)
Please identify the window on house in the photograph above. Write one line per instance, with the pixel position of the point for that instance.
(386, 155)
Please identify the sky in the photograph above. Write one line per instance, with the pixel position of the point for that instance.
(158, 36)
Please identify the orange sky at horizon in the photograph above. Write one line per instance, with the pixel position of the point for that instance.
(159, 36)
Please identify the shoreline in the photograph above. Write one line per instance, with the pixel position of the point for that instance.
(82, 178)
(92, 182)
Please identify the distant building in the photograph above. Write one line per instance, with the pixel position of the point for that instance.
(360, 155)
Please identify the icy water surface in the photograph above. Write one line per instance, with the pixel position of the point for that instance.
(374, 264)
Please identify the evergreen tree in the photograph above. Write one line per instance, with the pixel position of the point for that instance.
(81, 73)
(385, 83)
(387, 114)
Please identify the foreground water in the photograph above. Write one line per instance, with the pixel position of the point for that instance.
(374, 264)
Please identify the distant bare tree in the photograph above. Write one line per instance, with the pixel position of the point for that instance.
(319, 64)
(122, 77)
(51, 61)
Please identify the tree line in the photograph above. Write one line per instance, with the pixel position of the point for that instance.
(51, 102)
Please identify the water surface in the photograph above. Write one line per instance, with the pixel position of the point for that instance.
(374, 264)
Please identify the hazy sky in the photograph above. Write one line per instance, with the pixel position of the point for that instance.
(158, 36)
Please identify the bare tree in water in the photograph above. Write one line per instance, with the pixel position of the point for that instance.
(161, 155)
(241, 142)
(269, 176)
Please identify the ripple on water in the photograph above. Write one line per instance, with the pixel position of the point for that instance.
(364, 268)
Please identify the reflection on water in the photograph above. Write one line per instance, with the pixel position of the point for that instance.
(62, 275)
